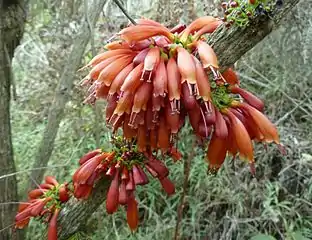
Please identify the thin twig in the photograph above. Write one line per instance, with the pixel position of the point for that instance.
(125, 12)
(187, 167)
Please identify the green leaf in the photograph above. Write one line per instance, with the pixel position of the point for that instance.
(298, 236)
(262, 237)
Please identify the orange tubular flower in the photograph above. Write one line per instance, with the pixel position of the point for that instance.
(140, 57)
(112, 195)
(160, 81)
(216, 152)
(267, 128)
(207, 55)
(174, 85)
(141, 98)
(132, 81)
(248, 97)
(221, 130)
(187, 68)
(230, 76)
(117, 45)
(108, 74)
(207, 29)
(132, 213)
(163, 135)
(52, 230)
(150, 63)
(119, 79)
(196, 25)
(241, 137)
(96, 70)
(140, 32)
(203, 85)
(107, 54)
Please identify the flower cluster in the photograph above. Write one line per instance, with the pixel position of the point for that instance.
(153, 78)
(126, 167)
(44, 203)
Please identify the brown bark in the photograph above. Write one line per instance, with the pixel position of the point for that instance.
(230, 45)
(63, 90)
(12, 19)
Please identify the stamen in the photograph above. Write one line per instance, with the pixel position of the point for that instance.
(208, 107)
(206, 128)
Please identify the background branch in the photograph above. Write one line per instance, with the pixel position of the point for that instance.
(230, 45)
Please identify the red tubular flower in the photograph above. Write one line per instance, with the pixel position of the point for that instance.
(33, 194)
(160, 81)
(207, 55)
(63, 194)
(82, 191)
(140, 45)
(202, 81)
(140, 57)
(112, 198)
(158, 167)
(107, 54)
(216, 152)
(150, 63)
(142, 138)
(132, 213)
(89, 155)
(178, 28)
(87, 169)
(117, 45)
(130, 186)
(128, 132)
(51, 180)
(196, 25)
(187, 68)
(172, 119)
(123, 196)
(119, 80)
(52, 230)
(167, 185)
(123, 106)
(109, 73)
(97, 69)
(207, 29)
(163, 135)
(140, 100)
(111, 106)
(241, 137)
(140, 32)
(267, 128)
(132, 81)
(221, 130)
(248, 97)
(174, 85)
(230, 76)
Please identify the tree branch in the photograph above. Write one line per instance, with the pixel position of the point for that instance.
(230, 45)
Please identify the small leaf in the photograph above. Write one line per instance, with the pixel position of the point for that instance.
(298, 236)
(262, 237)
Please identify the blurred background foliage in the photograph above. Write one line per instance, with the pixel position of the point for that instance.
(231, 205)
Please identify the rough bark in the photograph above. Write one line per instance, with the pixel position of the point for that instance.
(12, 19)
(230, 45)
(62, 92)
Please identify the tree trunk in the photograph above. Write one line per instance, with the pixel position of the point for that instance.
(230, 45)
(12, 19)
(62, 93)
